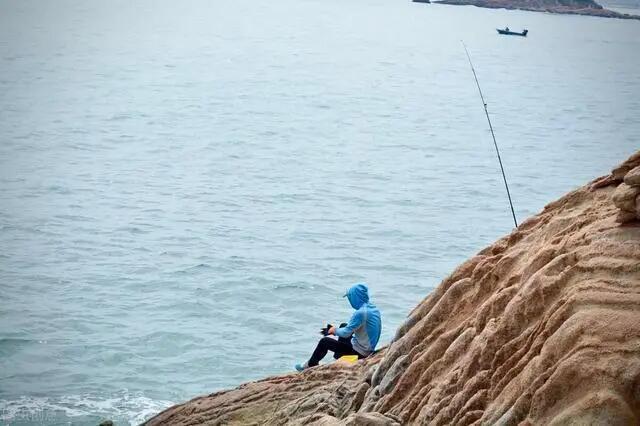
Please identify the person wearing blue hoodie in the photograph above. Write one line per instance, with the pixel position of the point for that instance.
(357, 337)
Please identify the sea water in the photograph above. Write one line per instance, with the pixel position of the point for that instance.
(187, 188)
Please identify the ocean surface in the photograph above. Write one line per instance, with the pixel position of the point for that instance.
(187, 188)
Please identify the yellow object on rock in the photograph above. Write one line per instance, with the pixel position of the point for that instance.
(349, 358)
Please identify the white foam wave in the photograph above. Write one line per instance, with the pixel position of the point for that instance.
(133, 408)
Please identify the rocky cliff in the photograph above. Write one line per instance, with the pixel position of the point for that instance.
(542, 327)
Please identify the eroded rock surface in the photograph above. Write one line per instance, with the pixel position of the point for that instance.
(319, 396)
(542, 327)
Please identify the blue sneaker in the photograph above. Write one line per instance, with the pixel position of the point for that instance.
(302, 367)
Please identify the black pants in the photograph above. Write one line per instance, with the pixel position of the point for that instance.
(339, 347)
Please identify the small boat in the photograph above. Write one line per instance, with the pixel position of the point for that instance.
(506, 31)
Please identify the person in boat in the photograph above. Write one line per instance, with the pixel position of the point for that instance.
(506, 29)
(357, 337)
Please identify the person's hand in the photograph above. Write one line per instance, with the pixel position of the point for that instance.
(325, 331)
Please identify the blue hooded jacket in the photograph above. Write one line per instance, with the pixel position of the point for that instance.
(365, 324)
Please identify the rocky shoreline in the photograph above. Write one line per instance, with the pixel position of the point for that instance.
(541, 327)
(572, 7)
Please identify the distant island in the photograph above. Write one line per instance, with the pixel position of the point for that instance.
(574, 7)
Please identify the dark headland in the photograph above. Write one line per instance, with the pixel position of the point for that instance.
(574, 7)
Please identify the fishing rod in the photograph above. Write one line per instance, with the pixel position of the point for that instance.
(504, 177)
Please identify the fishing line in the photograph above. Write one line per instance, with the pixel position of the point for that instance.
(504, 177)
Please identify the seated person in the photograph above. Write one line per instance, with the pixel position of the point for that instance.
(357, 337)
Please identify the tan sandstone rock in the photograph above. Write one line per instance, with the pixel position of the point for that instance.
(632, 162)
(625, 217)
(617, 174)
(542, 327)
(369, 419)
(632, 178)
(624, 197)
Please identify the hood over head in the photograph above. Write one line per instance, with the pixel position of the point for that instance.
(358, 295)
